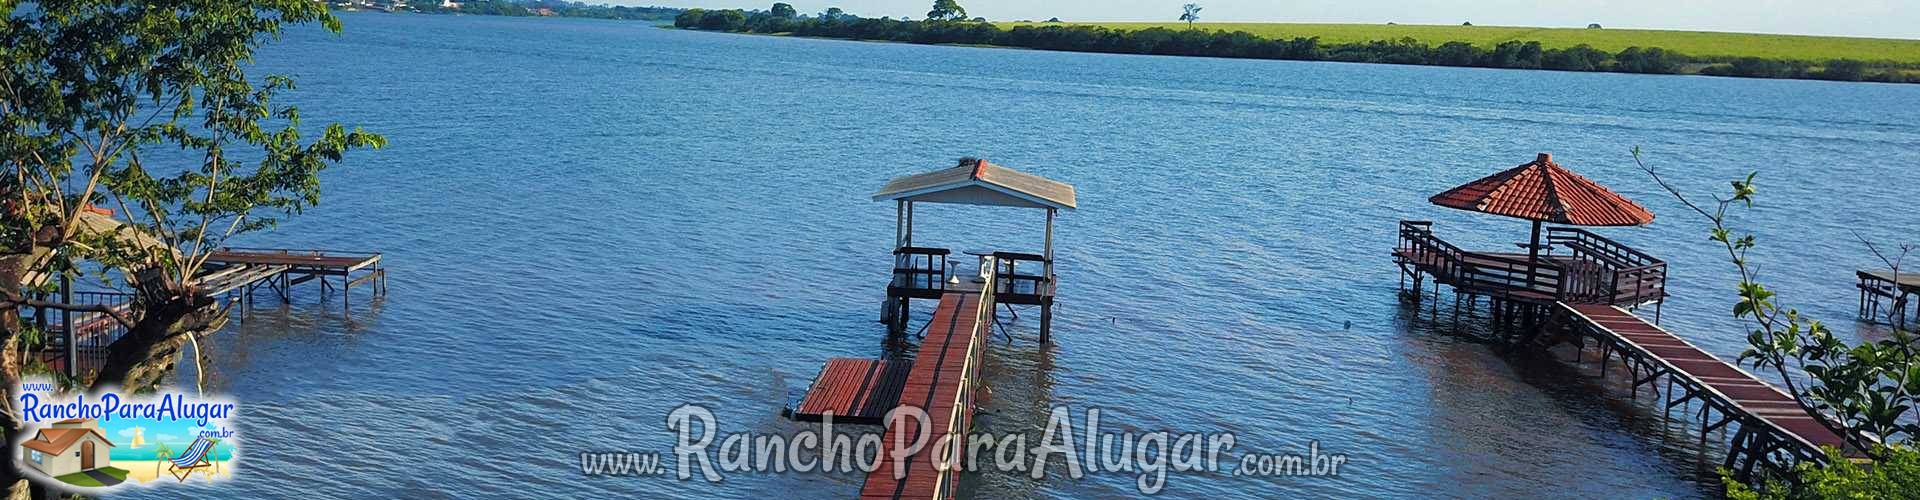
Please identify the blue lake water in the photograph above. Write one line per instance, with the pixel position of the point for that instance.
(590, 223)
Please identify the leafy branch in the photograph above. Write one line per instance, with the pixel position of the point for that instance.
(1860, 392)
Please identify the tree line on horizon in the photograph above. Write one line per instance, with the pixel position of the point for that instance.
(1241, 44)
(562, 8)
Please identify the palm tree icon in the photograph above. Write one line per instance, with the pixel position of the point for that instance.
(164, 454)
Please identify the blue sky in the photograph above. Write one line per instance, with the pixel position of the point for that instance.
(1875, 18)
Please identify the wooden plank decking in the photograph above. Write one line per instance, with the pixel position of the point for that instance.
(941, 383)
(855, 391)
(341, 261)
(1896, 290)
(1770, 421)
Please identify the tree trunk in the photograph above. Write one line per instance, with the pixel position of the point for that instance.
(13, 272)
(137, 361)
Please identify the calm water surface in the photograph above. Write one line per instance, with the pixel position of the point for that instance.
(590, 223)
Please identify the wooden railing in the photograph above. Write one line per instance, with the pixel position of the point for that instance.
(91, 332)
(1013, 286)
(919, 272)
(1608, 272)
(1478, 272)
(1596, 269)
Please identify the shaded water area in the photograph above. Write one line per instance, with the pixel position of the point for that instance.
(590, 223)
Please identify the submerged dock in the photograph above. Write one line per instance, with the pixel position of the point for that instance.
(233, 274)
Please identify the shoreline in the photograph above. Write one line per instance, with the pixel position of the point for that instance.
(1511, 54)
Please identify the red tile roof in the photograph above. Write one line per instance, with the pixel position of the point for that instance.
(1544, 191)
(57, 441)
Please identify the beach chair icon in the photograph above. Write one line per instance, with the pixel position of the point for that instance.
(194, 458)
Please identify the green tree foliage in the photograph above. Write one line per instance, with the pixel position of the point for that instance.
(1895, 476)
(146, 107)
(784, 10)
(494, 8)
(716, 20)
(1649, 60)
(833, 14)
(1240, 44)
(1190, 13)
(1865, 393)
(946, 10)
(1754, 67)
(1846, 70)
(559, 7)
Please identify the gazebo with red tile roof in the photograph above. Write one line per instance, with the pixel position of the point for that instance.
(1543, 191)
(1594, 270)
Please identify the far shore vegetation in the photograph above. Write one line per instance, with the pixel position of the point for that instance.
(1593, 48)
(517, 8)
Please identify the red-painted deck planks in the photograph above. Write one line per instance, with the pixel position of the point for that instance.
(855, 391)
(938, 374)
(1753, 395)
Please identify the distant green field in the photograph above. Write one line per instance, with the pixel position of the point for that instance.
(1692, 43)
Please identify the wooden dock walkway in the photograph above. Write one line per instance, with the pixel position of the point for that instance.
(1772, 432)
(244, 270)
(942, 382)
(854, 391)
(1590, 286)
(233, 273)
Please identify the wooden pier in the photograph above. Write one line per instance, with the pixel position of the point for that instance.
(1895, 290)
(1773, 432)
(1578, 286)
(943, 382)
(241, 271)
(1590, 269)
(944, 374)
(230, 273)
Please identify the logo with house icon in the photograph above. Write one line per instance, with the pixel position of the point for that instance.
(92, 443)
(73, 451)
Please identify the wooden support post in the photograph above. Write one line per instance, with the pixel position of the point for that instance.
(66, 326)
(1724, 420)
(1738, 448)
(1046, 323)
(1683, 399)
(1606, 353)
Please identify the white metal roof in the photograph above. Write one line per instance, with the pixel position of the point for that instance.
(980, 183)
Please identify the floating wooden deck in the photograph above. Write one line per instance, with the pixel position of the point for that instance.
(1772, 432)
(854, 391)
(945, 373)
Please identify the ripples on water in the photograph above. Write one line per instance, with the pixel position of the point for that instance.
(590, 223)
